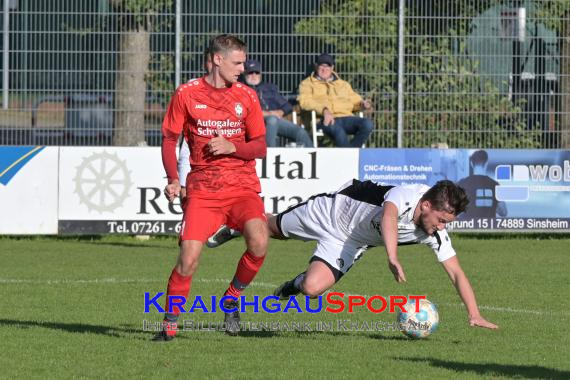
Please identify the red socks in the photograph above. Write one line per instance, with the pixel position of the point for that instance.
(178, 285)
(247, 268)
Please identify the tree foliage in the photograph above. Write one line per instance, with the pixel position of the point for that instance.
(446, 101)
(139, 14)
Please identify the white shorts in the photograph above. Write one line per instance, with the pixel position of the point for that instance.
(308, 221)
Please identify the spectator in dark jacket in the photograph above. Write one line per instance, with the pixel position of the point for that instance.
(274, 107)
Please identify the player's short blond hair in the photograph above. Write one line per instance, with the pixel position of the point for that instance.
(225, 43)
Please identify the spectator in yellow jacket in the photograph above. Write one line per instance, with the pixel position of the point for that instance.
(334, 101)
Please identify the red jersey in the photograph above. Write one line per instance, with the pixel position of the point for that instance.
(199, 111)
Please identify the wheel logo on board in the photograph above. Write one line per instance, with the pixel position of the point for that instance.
(102, 182)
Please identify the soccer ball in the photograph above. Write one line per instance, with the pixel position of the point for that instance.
(418, 325)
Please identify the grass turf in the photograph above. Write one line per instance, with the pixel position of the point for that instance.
(74, 308)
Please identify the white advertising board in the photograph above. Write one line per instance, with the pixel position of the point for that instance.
(114, 190)
(28, 190)
(291, 175)
(119, 190)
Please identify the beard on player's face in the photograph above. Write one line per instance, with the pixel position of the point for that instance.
(424, 224)
(432, 220)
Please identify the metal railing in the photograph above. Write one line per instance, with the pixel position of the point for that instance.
(457, 73)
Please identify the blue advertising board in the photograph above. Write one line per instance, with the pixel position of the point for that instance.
(508, 189)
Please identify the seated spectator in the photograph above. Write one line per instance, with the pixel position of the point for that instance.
(334, 101)
(274, 107)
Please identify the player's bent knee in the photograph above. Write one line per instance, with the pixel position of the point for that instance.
(312, 288)
(186, 267)
(256, 234)
(257, 244)
(189, 257)
(312, 291)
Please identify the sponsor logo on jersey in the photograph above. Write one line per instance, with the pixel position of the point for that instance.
(201, 106)
(225, 128)
(219, 123)
(239, 110)
(227, 132)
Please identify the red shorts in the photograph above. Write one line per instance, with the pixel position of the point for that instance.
(203, 217)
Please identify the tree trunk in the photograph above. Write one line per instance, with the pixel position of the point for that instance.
(130, 89)
(565, 83)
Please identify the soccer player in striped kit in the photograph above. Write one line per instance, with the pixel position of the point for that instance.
(361, 215)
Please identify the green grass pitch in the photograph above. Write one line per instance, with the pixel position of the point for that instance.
(73, 308)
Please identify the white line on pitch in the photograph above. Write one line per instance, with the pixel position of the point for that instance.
(118, 281)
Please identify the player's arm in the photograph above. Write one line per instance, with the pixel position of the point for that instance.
(171, 128)
(252, 149)
(254, 145)
(461, 283)
(389, 226)
(246, 150)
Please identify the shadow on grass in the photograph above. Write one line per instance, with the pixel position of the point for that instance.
(495, 369)
(128, 332)
(80, 328)
(512, 236)
(99, 240)
(391, 337)
(133, 245)
(314, 333)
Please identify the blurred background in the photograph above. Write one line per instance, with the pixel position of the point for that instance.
(455, 73)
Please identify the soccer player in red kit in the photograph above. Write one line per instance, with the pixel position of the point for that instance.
(222, 122)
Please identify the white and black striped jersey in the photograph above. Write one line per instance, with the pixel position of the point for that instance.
(353, 214)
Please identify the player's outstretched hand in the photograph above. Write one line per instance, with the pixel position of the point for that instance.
(219, 145)
(172, 190)
(482, 322)
(396, 270)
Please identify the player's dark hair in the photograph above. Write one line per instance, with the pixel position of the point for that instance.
(447, 196)
(225, 43)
